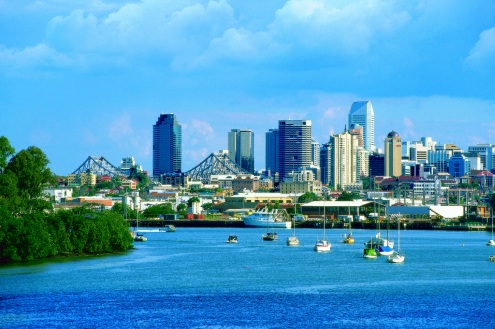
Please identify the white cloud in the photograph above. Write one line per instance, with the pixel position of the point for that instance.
(40, 55)
(484, 51)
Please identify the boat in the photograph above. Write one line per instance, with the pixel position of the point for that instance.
(139, 237)
(348, 238)
(167, 228)
(370, 252)
(322, 245)
(292, 240)
(397, 257)
(491, 258)
(269, 236)
(276, 218)
(232, 239)
(491, 242)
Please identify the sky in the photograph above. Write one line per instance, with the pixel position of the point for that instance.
(83, 78)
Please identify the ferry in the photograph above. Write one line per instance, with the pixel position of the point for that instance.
(276, 218)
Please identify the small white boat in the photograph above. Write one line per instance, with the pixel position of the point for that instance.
(396, 257)
(269, 236)
(370, 253)
(232, 239)
(322, 246)
(292, 241)
(491, 243)
(140, 238)
(167, 228)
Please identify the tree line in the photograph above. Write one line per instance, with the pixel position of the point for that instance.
(31, 229)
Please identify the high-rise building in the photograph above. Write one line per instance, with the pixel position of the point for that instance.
(241, 148)
(271, 151)
(487, 154)
(167, 145)
(393, 154)
(294, 142)
(340, 154)
(377, 164)
(361, 113)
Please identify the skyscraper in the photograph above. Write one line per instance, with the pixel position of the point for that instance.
(241, 148)
(361, 113)
(167, 145)
(294, 142)
(271, 151)
(393, 154)
(340, 156)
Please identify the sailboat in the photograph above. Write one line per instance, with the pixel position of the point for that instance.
(370, 252)
(292, 240)
(139, 237)
(269, 236)
(322, 245)
(397, 256)
(491, 242)
(348, 238)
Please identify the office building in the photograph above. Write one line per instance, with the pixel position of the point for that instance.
(167, 145)
(294, 143)
(340, 154)
(361, 113)
(271, 152)
(241, 148)
(393, 154)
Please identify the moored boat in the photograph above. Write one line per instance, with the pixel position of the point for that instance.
(167, 228)
(140, 238)
(269, 236)
(276, 218)
(232, 239)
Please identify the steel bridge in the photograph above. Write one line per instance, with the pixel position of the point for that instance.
(99, 166)
(214, 164)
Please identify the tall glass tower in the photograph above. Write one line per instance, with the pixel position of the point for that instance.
(294, 142)
(241, 148)
(167, 145)
(271, 151)
(361, 113)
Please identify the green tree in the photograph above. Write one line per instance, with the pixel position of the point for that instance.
(6, 151)
(157, 210)
(345, 196)
(307, 197)
(182, 208)
(191, 200)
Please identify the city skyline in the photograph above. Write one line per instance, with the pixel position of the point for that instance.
(90, 77)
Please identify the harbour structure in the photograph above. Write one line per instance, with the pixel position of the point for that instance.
(361, 113)
(167, 145)
(294, 145)
(241, 148)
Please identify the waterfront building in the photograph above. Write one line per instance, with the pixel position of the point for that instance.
(361, 113)
(294, 142)
(393, 154)
(271, 151)
(167, 145)
(241, 148)
(362, 162)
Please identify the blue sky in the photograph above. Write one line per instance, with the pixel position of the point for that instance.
(90, 77)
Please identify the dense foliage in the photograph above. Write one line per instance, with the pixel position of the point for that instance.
(30, 229)
(80, 231)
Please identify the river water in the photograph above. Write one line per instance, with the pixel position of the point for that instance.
(193, 279)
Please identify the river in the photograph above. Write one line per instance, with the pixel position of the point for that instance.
(193, 279)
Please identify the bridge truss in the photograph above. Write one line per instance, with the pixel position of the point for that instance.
(99, 166)
(214, 164)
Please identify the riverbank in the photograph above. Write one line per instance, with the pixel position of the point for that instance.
(317, 224)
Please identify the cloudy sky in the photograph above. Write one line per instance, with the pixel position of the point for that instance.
(91, 77)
